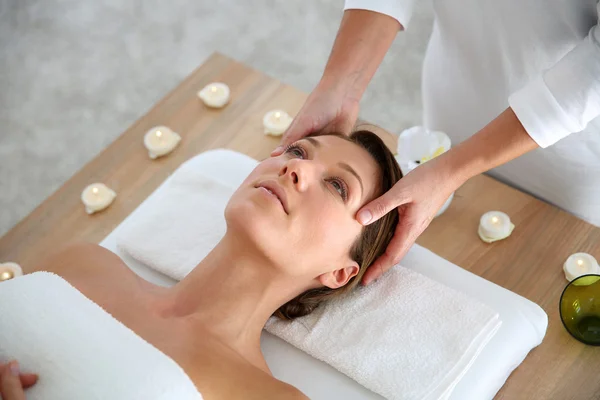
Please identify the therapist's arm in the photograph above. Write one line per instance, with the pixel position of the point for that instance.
(500, 141)
(363, 39)
(561, 100)
(421, 193)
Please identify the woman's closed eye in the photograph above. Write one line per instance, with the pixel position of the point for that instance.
(336, 183)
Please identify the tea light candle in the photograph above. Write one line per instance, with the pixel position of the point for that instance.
(494, 226)
(276, 122)
(580, 264)
(9, 270)
(215, 94)
(97, 197)
(160, 141)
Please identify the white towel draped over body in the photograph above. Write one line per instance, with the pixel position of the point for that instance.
(404, 337)
(79, 351)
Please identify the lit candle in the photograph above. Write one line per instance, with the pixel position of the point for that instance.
(97, 197)
(160, 141)
(580, 264)
(215, 94)
(276, 122)
(494, 226)
(9, 270)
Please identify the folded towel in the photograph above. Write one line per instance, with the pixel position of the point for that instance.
(177, 227)
(404, 337)
(79, 350)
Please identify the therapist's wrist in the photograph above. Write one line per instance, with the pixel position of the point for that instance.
(452, 170)
(343, 88)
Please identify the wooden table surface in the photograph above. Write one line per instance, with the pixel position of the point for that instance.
(528, 263)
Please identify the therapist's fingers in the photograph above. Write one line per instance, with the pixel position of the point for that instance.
(10, 384)
(404, 237)
(382, 205)
(301, 126)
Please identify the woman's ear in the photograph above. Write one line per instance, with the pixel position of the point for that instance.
(339, 277)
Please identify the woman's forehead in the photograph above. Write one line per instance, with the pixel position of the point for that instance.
(337, 150)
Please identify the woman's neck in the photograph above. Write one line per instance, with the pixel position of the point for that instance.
(232, 293)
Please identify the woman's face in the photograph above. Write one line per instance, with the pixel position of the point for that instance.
(299, 208)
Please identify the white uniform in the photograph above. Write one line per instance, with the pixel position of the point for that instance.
(540, 57)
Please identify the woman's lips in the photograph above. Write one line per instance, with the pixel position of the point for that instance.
(273, 189)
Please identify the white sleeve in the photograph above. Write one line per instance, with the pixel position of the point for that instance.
(565, 97)
(400, 10)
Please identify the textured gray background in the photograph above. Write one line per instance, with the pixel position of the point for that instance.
(74, 74)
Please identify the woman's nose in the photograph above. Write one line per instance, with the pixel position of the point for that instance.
(295, 171)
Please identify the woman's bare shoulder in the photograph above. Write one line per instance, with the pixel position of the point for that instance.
(78, 259)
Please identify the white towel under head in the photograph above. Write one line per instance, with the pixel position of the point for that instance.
(79, 350)
(404, 337)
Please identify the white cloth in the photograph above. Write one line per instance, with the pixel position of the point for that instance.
(405, 337)
(541, 57)
(180, 224)
(79, 350)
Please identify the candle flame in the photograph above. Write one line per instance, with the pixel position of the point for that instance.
(158, 134)
(6, 275)
(277, 115)
(580, 262)
(213, 89)
(95, 190)
(495, 220)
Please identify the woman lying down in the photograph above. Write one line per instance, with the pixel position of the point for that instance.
(292, 242)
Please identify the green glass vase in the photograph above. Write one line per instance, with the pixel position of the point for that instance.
(580, 309)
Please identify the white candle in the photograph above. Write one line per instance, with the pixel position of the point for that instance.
(580, 264)
(494, 226)
(160, 141)
(97, 197)
(276, 122)
(215, 94)
(9, 270)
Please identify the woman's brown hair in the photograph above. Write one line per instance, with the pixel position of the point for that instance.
(374, 238)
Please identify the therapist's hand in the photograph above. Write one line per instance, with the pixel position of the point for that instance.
(328, 109)
(13, 383)
(416, 198)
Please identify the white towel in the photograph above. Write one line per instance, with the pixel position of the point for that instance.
(177, 227)
(79, 350)
(404, 337)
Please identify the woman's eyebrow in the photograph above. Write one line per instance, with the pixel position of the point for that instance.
(314, 142)
(353, 172)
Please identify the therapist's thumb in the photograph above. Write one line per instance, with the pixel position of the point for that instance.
(379, 207)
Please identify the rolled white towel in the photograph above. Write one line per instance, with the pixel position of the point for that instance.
(79, 350)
